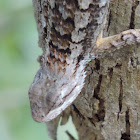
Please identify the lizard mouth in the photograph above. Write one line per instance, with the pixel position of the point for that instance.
(68, 99)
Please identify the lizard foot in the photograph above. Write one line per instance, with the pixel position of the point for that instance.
(112, 43)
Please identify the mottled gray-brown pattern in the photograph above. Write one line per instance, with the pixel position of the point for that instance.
(108, 107)
(68, 30)
(70, 25)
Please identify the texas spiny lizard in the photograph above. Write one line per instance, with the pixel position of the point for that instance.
(68, 32)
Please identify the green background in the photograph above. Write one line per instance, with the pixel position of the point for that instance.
(18, 64)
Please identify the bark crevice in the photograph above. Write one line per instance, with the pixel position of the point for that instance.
(126, 135)
(121, 95)
(132, 18)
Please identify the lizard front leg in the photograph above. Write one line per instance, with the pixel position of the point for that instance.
(112, 43)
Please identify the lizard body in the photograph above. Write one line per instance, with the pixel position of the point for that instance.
(69, 30)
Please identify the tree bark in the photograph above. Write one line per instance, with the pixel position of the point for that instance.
(108, 107)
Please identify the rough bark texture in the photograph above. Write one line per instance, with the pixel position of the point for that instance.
(108, 107)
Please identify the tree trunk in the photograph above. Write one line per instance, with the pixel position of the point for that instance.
(108, 107)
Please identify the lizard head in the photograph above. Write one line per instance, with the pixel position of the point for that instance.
(51, 93)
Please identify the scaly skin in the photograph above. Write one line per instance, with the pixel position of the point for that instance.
(68, 30)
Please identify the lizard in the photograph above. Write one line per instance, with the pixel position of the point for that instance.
(70, 33)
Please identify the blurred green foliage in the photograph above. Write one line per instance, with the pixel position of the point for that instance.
(18, 64)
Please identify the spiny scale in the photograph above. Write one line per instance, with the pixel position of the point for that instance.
(68, 30)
